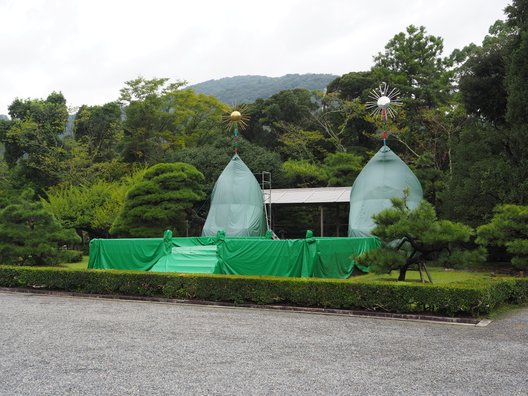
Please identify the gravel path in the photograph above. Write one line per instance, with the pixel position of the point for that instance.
(53, 345)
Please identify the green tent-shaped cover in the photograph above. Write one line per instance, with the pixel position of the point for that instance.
(385, 176)
(237, 206)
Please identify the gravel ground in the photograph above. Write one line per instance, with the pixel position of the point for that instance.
(53, 345)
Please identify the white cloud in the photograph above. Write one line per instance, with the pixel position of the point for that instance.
(88, 48)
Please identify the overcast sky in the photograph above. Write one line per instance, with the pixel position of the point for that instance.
(88, 48)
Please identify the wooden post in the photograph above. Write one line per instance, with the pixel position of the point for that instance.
(428, 274)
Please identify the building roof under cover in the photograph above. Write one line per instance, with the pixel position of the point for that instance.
(308, 195)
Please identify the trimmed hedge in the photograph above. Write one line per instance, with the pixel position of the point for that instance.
(470, 298)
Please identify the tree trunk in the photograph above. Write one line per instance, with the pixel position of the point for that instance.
(403, 272)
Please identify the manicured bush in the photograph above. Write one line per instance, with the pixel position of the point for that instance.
(71, 256)
(459, 299)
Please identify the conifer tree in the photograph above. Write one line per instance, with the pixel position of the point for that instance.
(413, 237)
(30, 235)
(160, 201)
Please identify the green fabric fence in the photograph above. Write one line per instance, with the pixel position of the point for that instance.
(310, 257)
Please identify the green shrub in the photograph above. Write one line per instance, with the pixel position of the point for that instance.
(461, 299)
(30, 235)
(508, 228)
(71, 256)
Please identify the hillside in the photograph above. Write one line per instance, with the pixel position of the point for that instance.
(246, 89)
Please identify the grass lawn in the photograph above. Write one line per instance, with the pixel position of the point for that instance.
(440, 276)
(77, 266)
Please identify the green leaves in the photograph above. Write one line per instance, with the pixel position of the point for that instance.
(426, 235)
(508, 228)
(161, 117)
(160, 201)
(30, 235)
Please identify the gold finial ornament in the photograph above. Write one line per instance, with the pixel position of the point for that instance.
(235, 116)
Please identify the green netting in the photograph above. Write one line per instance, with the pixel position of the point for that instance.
(310, 257)
(332, 258)
(126, 254)
(384, 177)
(189, 259)
(237, 206)
(262, 257)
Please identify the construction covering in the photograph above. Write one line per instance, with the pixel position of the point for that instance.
(237, 206)
(384, 177)
(310, 257)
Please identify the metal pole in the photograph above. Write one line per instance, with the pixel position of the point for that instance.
(321, 220)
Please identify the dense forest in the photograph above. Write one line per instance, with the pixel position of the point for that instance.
(149, 160)
(247, 89)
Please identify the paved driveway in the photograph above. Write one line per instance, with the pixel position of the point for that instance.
(60, 345)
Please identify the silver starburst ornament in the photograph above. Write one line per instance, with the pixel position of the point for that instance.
(384, 100)
(383, 104)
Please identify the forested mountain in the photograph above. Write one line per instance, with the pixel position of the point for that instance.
(247, 89)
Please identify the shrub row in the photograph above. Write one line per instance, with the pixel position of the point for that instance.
(454, 300)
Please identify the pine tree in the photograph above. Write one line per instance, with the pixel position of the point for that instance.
(508, 228)
(160, 201)
(414, 237)
(30, 235)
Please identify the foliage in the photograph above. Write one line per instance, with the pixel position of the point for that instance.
(482, 75)
(30, 235)
(273, 117)
(508, 228)
(298, 144)
(461, 299)
(491, 168)
(354, 85)
(517, 68)
(335, 117)
(90, 208)
(72, 256)
(412, 62)
(343, 168)
(99, 127)
(425, 237)
(212, 158)
(491, 156)
(431, 178)
(160, 201)
(32, 139)
(160, 116)
(305, 174)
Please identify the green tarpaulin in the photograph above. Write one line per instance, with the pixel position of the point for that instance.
(237, 206)
(384, 177)
(310, 257)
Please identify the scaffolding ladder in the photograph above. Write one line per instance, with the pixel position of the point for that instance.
(265, 185)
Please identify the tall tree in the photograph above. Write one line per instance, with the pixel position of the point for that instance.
(413, 63)
(482, 75)
(517, 72)
(492, 154)
(160, 116)
(33, 147)
(99, 127)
